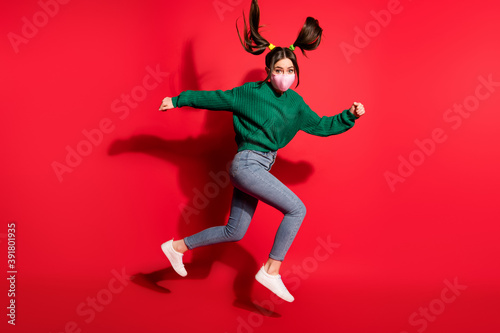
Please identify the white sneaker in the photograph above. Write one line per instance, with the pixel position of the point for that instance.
(274, 283)
(174, 257)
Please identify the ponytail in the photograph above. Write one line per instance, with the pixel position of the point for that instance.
(309, 36)
(252, 41)
(308, 39)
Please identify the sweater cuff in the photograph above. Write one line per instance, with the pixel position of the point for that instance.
(174, 101)
(350, 115)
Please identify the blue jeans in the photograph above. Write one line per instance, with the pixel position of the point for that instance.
(249, 173)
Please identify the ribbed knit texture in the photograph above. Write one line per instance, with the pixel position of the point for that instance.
(264, 120)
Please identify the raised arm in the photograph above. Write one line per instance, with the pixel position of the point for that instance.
(209, 100)
(325, 126)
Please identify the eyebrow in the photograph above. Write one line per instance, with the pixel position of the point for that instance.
(282, 67)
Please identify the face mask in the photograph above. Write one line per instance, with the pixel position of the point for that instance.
(282, 82)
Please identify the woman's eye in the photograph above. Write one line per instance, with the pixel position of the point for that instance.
(278, 71)
(291, 71)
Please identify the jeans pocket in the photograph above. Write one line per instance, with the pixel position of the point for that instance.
(266, 159)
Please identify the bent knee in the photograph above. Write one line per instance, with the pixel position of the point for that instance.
(237, 238)
(233, 236)
(299, 210)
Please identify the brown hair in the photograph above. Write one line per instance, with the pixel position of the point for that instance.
(308, 39)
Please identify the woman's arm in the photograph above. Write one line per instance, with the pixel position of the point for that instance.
(209, 100)
(325, 126)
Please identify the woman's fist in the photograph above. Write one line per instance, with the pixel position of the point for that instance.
(357, 109)
(166, 104)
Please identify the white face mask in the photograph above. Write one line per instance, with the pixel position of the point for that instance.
(282, 82)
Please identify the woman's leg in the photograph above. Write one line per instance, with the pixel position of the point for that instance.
(255, 179)
(242, 209)
(254, 182)
(272, 266)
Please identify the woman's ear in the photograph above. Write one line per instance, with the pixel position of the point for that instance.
(267, 70)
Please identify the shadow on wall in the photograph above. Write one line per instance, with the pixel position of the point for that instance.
(204, 160)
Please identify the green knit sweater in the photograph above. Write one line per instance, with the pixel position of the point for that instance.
(264, 120)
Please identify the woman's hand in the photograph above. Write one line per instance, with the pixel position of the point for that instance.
(166, 104)
(357, 109)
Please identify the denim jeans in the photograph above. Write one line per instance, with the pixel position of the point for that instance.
(252, 181)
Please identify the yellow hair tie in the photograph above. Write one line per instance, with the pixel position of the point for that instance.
(271, 47)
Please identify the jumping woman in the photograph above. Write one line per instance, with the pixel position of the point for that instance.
(266, 117)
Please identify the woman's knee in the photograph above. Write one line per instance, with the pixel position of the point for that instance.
(299, 210)
(233, 235)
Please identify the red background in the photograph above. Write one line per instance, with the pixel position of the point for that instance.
(396, 244)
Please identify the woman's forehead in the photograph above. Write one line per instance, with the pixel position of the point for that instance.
(284, 63)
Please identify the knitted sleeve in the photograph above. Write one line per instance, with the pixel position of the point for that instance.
(209, 100)
(325, 126)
